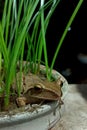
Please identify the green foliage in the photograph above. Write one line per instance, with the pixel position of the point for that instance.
(24, 24)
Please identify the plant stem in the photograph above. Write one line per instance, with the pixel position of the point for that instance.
(0, 60)
(44, 40)
(65, 33)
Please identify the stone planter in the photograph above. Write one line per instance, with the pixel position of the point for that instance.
(44, 117)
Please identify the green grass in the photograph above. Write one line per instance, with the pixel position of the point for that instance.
(24, 24)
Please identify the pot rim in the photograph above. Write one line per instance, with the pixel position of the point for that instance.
(18, 118)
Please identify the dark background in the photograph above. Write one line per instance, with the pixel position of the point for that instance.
(67, 62)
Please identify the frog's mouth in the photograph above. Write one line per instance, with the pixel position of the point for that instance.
(41, 93)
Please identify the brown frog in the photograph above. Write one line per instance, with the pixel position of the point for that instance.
(34, 89)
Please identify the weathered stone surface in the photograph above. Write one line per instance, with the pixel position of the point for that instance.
(75, 115)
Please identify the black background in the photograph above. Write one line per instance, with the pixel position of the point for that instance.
(74, 43)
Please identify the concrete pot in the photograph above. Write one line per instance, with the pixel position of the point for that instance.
(43, 117)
